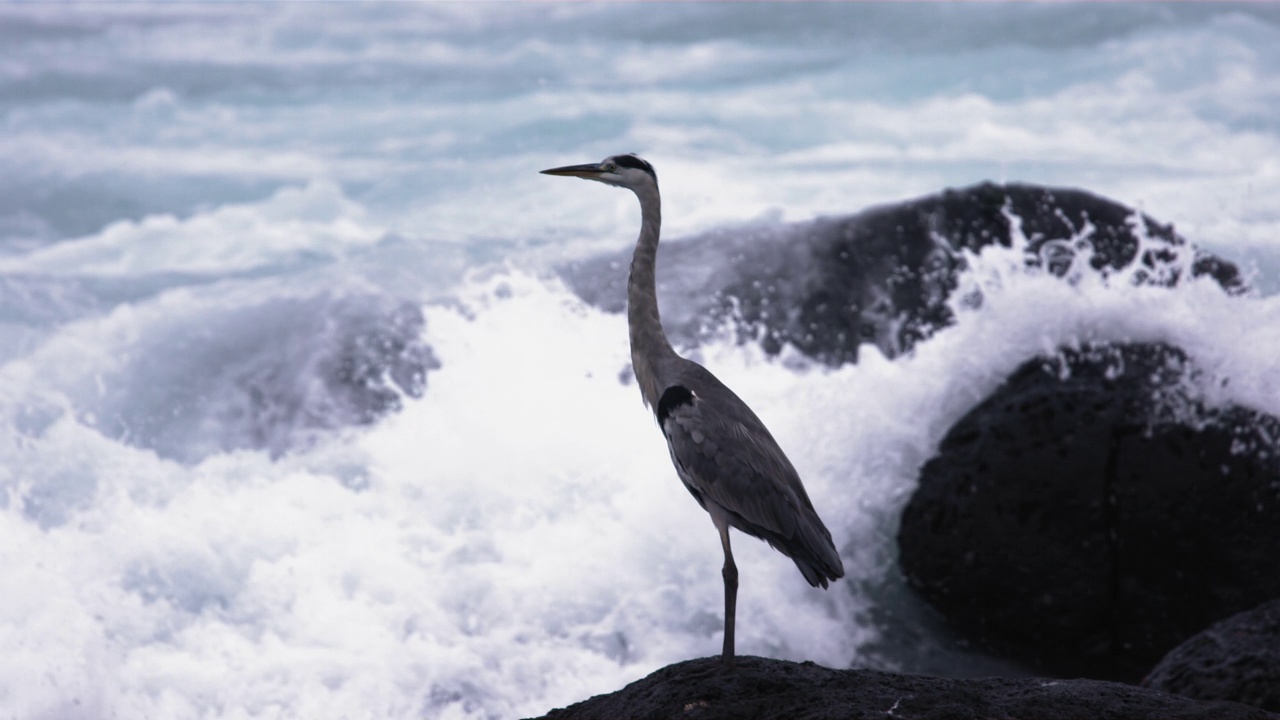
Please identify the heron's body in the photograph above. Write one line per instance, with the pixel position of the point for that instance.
(734, 469)
(722, 452)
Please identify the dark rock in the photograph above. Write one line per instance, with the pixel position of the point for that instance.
(763, 688)
(1237, 659)
(1092, 513)
(884, 276)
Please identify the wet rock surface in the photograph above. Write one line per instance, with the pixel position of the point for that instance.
(763, 688)
(1236, 659)
(1091, 513)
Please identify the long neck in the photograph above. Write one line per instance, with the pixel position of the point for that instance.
(648, 342)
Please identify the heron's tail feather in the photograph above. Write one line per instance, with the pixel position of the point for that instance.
(814, 553)
(819, 577)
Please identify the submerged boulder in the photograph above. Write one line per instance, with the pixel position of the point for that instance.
(1237, 659)
(1092, 513)
(268, 375)
(884, 275)
(764, 688)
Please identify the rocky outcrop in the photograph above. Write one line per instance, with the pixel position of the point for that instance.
(1092, 513)
(884, 275)
(762, 688)
(1237, 659)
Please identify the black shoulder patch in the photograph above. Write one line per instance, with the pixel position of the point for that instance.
(672, 398)
(634, 161)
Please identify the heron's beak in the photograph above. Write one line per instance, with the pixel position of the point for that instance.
(590, 170)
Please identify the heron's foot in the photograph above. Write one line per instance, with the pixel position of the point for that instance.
(728, 663)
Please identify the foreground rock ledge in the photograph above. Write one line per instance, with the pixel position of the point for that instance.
(764, 688)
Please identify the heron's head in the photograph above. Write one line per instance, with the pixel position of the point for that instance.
(628, 171)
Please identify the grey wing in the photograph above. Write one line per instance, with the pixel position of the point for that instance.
(725, 455)
(735, 464)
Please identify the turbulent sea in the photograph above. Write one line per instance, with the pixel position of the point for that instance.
(299, 418)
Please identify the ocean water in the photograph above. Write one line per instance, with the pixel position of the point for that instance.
(298, 418)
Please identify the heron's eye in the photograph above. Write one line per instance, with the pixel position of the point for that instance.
(611, 167)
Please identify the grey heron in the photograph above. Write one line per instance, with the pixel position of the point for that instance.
(722, 452)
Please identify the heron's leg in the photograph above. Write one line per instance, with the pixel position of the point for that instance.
(730, 574)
